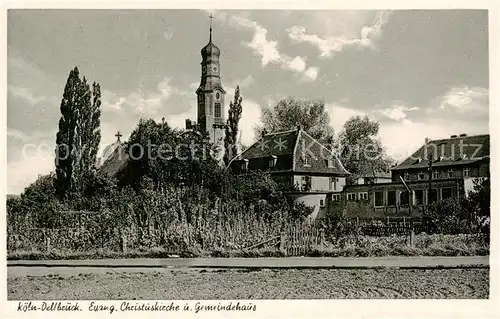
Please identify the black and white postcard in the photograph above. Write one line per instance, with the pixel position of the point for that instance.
(249, 159)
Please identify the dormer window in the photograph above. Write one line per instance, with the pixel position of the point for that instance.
(407, 176)
(331, 163)
(421, 175)
(307, 161)
(272, 161)
(244, 165)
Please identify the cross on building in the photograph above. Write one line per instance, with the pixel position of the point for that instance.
(211, 19)
(118, 135)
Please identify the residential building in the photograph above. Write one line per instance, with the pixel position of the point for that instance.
(456, 163)
(375, 176)
(298, 162)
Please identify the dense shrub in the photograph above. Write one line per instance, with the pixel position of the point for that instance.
(462, 215)
(448, 216)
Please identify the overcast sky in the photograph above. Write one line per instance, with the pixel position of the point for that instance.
(419, 73)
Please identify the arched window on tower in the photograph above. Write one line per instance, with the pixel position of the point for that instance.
(217, 110)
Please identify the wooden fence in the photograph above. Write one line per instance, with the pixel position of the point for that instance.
(299, 239)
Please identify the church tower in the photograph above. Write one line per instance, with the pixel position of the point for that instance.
(210, 94)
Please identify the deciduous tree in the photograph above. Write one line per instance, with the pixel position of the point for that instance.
(66, 135)
(78, 138)
(291, 112)
(359, 147)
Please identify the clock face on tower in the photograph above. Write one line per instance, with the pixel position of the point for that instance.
(214, 68)
(217, 96)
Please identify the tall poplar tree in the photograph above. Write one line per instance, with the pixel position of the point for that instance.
(79, 134)
(66, 135)
(231, 136)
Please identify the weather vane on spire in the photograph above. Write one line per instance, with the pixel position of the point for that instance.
(211, 18)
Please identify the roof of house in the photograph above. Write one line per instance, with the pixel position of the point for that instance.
(280, 143)
(458, 150)
(295, 145)
(115, 161)
(370, 172)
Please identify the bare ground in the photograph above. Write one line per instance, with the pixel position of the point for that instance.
(200, 284)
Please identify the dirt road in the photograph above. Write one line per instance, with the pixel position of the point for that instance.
(201, 284)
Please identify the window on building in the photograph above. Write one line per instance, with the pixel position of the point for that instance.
(336, 197)
(435, 174)
(333, 183)
(363, 196)
(404, 198)
(421, 175)
(419, 196)
(330, 163)
(306, 183)
(217, 110)
(466, 172)
(450, 173)
(446, 192)
(322, 203)
(433, 195)
(407, 176)
(307, 161)
(244, 165)
(272, 161)
(351, 197)
(391, 198)
(379, 199)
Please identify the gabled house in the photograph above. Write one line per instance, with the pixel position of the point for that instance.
(299, 162)
(460, 156)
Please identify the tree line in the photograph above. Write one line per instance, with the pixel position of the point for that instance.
(79, 136)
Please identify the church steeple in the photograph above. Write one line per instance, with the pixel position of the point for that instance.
(211, 114)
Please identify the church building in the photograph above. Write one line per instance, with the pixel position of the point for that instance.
(210, 96)
(211, 113)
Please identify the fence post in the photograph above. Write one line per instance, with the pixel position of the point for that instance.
(47, 242)
(282, 244)
(124, 244)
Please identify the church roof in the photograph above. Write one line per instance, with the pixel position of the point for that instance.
(210, 50)
(108, 151)
(116, 161)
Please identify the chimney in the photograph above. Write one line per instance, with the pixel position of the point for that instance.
(453, 136)
(463, 135)
(188, 124)
(427, 140)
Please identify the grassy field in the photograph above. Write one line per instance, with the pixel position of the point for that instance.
(204, 284)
